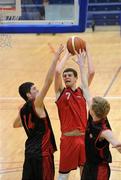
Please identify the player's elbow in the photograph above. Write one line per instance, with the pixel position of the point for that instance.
(90, 77)
(57, 72)
(92, 73)
(47, 85)
(15, 125)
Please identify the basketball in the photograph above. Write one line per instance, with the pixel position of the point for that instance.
(74, 44)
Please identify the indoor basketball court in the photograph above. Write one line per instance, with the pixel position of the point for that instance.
(27, 57)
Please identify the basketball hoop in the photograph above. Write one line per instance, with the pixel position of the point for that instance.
(10, 12)
(2, 17)
(6, 39)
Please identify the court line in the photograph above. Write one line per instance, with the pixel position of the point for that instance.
(11, 171)
(116, 170)
(10, 98)
(20, 169)
(112, 97)
(17, 98)
(9, 162)
(112, 81)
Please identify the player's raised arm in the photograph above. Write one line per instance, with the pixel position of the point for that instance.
(76, 43)
(49, 78)
(58, 80)
(91, 70)
(83, 76)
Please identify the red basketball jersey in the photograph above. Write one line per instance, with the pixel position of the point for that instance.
(72, 110)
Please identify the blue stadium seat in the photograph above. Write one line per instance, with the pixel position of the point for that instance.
(104, 7)
(103, 1)
(61, 1)
(104, 12)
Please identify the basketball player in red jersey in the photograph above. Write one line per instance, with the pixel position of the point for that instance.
(73, 116)
(40, 144)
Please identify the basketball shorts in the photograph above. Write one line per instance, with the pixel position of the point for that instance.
(96, 172)
(72, 153)
(36, 169)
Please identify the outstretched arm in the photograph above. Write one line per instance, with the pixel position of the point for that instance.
(91, 70)
(49, 78)
(84, 80)
(58, 80)
(109, 136)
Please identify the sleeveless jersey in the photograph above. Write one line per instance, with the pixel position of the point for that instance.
(97, 151)
(41, 141)
(72, 110)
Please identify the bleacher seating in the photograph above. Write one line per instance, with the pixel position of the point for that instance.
(104, 12)
(61, 1)
(104, 1)
(104, 7)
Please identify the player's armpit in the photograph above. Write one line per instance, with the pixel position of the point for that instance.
(17, 122)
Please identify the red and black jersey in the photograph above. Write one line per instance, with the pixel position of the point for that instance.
(97, 150)
(41, 141)
(72, 110)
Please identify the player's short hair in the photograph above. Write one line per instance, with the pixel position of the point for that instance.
(24, 89)
(71, 70)
(100, 106)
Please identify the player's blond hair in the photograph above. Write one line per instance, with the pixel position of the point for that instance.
(100, 106)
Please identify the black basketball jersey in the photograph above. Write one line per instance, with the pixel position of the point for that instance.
(41, 139)
(97, 150)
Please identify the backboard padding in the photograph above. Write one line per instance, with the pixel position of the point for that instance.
(30, 20)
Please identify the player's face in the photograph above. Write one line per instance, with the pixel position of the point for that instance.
(69, 79)
(33, 92)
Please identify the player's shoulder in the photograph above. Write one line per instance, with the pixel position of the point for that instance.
(59, 93)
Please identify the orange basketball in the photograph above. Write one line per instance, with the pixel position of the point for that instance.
(74, 44)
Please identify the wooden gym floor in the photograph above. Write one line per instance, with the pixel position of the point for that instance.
(28, 59)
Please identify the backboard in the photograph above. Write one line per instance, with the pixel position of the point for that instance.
(43, 16)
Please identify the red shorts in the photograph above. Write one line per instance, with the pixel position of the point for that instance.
(72, 153)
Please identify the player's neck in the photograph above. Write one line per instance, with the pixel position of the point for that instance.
(73, 87)
(96, 119)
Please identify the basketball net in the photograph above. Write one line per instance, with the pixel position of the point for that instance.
(6, 39)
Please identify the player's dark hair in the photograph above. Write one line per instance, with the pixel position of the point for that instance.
(71, 70)
(24, 89)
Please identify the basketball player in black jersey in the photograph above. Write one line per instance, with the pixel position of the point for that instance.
(98, 135)
(40, 145)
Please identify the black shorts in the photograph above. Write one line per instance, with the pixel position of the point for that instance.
(39, 169)
(96, 172)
